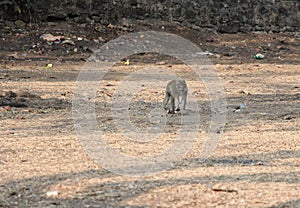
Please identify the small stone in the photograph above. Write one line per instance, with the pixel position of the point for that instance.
(160, 63)
(20, 23)
(223, 188)
(10, 94)
(113, 194)
(244, 92)
(51, 38)
(218, 56)
(230, 53)
(69, 42)
(287, 118)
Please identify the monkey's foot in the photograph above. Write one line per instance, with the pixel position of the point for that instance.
(171, 112)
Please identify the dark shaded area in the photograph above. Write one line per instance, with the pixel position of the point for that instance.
(26, 99)
(224, 16)
(288, 204)
(77, 42)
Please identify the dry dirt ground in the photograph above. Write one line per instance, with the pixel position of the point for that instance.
(43, 162)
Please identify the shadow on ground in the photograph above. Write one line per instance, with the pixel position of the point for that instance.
(31, 192)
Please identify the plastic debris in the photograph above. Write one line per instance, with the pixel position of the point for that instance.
(239, 107)
(127, 62)
(205, 53)
(48, 66)
(52, 193)
(259, 56)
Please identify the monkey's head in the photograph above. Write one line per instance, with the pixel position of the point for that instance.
(181, 86)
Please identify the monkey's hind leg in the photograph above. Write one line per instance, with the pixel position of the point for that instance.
(166, 100)
(184, 97)
(177, 104)
(172, 105)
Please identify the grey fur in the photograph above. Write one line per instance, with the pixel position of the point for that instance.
(176, 93)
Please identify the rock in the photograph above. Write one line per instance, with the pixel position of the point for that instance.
(82, 19)
(51, 38)
(12, 103)
(230, 53)
(68, 42)
(223, 188)
(20, 23)
(54, 17)
(229, 28)
(245, 92)
(26, 94)
(113, 195)
(10, 94)
(160, 63)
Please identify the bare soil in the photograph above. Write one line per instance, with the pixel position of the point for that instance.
(44, 164)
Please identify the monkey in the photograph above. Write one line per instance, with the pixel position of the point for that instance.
(176, 93)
